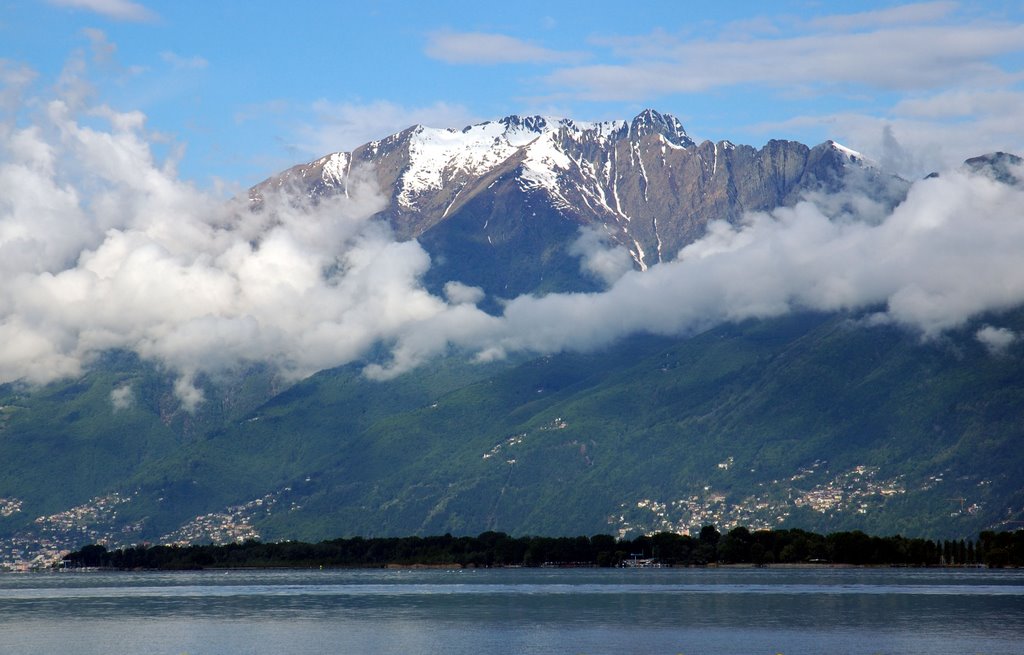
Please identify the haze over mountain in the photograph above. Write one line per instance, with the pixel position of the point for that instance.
(489, 328)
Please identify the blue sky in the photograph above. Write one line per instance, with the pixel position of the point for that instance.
(249, 88)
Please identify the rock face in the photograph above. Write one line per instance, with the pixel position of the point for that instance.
(1000, 166)
(517, 190)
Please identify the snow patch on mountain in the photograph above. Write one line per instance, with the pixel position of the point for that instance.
(852, 155)
(543, 160)
(335, 169)
(439, 156)
(601, 131)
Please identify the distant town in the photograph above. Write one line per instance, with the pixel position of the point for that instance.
(859, 490)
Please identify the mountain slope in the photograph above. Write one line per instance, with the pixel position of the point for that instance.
(805, 421)
(801, 421)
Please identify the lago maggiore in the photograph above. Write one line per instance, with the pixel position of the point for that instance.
(521, 611)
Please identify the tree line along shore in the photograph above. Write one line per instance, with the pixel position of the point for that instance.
(497, 549)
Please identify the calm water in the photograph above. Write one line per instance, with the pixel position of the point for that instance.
(527, 611)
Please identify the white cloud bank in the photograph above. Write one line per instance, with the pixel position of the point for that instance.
(102, 247)
(950, 252)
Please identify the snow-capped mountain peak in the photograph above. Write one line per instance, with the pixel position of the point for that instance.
(513, 185)
(652, 122)
(438, 158)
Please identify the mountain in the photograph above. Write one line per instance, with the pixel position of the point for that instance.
(498, 204)
(821, 420)
(1000, 166)
(804, 421)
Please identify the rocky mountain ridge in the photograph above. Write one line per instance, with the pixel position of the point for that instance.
(519, 184)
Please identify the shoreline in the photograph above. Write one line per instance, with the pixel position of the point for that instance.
(455, 566)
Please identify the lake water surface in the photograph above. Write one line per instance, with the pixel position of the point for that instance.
(527, 611)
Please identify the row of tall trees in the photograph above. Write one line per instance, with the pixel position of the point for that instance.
(737, 546)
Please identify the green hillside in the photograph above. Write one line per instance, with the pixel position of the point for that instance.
(897, 431)
(807, 421)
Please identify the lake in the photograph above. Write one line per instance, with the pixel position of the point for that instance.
(524, 611)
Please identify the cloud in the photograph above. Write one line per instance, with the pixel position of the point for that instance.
(961, 103)
(915, 144)
(102, 247)
(103, 51)
(189, 395)
(15, 79)
(347, 125)
(123, 10)
(929, 56)
(255, 111)
(483, 48)
(948, 253)
(996, 340)
(178, 62)
(122, 398)
(598, 257)
(904, 14)
(459, 293)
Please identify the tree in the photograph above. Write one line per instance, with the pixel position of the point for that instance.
(91, 556)
(709, 535)
(736, 546)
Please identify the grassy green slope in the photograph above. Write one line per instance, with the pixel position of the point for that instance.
(66, 442)
(565, 444)
(313, 430)
(652, 419)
